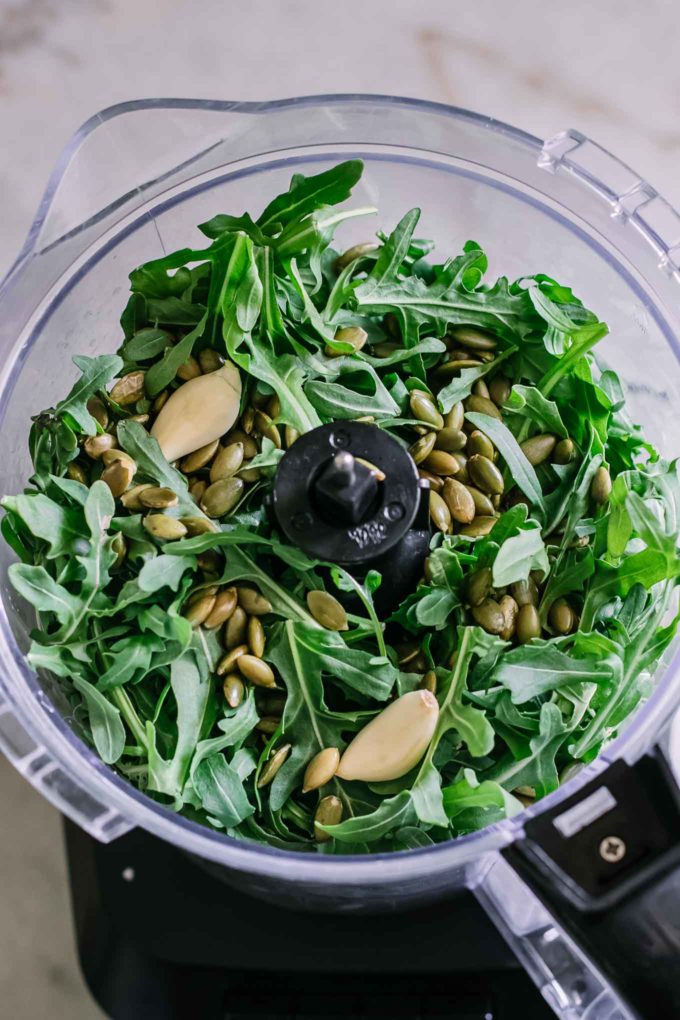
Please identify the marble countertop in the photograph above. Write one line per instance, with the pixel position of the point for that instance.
(610, 69)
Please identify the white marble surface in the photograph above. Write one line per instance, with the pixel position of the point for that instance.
(610, 69)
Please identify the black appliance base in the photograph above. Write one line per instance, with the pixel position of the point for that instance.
(160, 939)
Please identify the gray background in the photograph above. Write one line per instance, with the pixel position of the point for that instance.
(609, 68)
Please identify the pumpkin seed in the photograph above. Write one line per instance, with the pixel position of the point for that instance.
(228, 661)
(225, 604)
(119, 546)
(210, 561)
(321, 769)
(96, 446)
(459, 501)
(509, 609)
(158, 497)
(131, 500)
(462, 473)
(392, 325)
(436, 482)
(267, 428)
(454, 418)
(273, 407)
(474, 338)
(234, 690)
(479, 527)
(98, 410)
(485, 475)
(379, 475)
(268, 724)
(326, 610)
(76, 473)
(129, 389)
(328, 812)
(198, 526)
(143, 419)
(227, 462)
(564, 452)
(357, 251)
(255, 670)
(420, 664)
(538, 448)
(189, 370)
(423, 447)
(247, 421)
(439, 512)
(499, 390)
(253, 602)
(290, 435)
(482, 405)
(197, 488)
(528, 624)
(480, 389)
(478, 586)
(222, 496)
(353, 335)
(250, 448)
(407, 652)
(424, 409)
(110, 456)
(160, 401)
(236, 631)
(525, 593)
(273, 766)
(441, 463)
(164, 527)
(481, 444)
(601, 486)
(199, 458)
(561, 617)
(489, 616)
(483, 504)
(385, 349)
(198, 612)
(256, 636)
(450, 440)
(249, 474)
(210, 360)
(429, 682)
(118, 476)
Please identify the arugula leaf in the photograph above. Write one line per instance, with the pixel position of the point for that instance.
(107, 727)
(306, 194)
(95, 374)
(221, 791)
(519, 555)
(527, 672)
(521, 470)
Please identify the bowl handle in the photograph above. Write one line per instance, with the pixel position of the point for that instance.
(589, 896)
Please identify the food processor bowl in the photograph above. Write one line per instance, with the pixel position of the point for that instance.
(130, 186)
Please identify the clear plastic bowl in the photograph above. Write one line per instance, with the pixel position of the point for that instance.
(132, 184)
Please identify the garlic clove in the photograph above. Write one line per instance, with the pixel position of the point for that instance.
(394, 741)
(197, 413)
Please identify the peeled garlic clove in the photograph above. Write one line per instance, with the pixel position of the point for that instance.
(394, 741)
(199, 412)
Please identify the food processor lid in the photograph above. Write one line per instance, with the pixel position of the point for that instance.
(115, 172)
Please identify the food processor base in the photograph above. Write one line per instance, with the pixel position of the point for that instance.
(159, 938)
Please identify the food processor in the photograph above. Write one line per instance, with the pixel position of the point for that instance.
(175, 920)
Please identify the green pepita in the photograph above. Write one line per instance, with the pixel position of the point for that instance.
(441, 463)
(234, 690)
(199, 458)
(255, 670)
(228, 661)
(225, 604)
(326, 610)
(450, 440)
(439, 512)
(538, 448)
(482, 405)
(236, 631)
(353, 335)
(210, 360)
(509, 609)
(227, 462)
(525, 593)
(564, 452)
(163, 527)
(478, 586)
(328, 812)
(481, 444)
(454, 418)
(157, 497)
(423, 447)
(485, 475)
(561, 617)
(129, 389)
(474, 338)
(459, 501)
(256, 639)
(222, 496)
(424, 409)
(479, 527)
(528, 624)
(273, 766)
(489, 616)
(601, 486)
(96, 446)
(253, 602)
(499, 390)
(189, 370)
(483, 504)
(357, 251)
